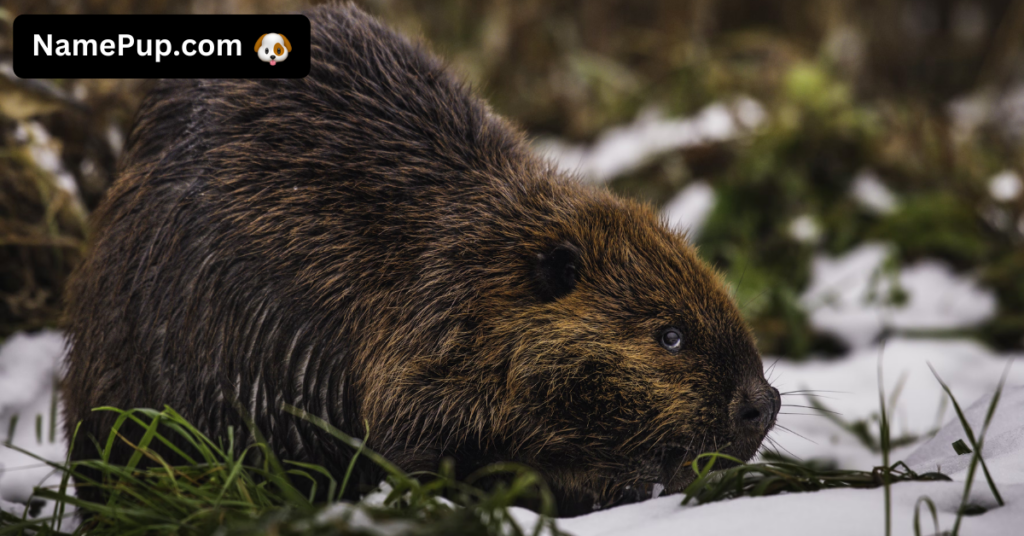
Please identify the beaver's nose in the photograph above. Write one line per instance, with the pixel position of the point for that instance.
(759, 409)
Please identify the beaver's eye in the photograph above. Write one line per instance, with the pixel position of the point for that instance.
(672, 340)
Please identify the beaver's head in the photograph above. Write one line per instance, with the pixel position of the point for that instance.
(597, 348)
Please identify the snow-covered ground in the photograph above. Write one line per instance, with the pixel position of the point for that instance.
(28, 366)
(849, 512)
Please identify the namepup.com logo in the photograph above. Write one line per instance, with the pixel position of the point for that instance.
(273, 48)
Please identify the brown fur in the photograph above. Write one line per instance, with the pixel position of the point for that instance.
(372, 243)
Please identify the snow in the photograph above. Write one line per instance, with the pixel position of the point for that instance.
(46, 153)
(356, 519)
(1005, 186)
(804, 228)
(690, 208)
(848, 296)
(849, 387)
(869, 190)
(622, 149)
(27, 367)
(834, 512)
(1010, 111)
(115, 138)
(1004, 440)
(988, 107)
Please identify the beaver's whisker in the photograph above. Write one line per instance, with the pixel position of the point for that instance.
(766, 448)
(823, 410)
(742, 274)
(784, 429)
(789, 452)
(744, 306)
(772, 447)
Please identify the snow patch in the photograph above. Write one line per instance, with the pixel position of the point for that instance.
(804, 228)
(46, 153)
(849, 296)
(621, 149)
(869, 190)
(1005, 438)
(850, 387)
(689, 209)
(1005, 186)
(28, 363)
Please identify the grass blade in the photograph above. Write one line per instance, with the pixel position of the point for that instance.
(976, 458)
(884, 440)
(917, 515)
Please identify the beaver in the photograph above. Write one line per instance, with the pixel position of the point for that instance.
(374, 245)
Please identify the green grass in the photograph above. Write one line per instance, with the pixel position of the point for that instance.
(775, 477)
(221, 490)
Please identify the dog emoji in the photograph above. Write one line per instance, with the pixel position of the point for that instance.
(273, 48)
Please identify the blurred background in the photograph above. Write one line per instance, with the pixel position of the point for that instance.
(853, 168)
(816, 151)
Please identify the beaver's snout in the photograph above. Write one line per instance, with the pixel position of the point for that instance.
(756, 408)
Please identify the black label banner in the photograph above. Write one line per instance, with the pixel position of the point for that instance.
(161, 46)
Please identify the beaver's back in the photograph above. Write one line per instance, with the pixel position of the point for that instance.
(251, 219)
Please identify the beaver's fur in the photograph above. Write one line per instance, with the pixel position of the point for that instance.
(372, 243)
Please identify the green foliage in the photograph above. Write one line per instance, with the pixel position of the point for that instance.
(802, 165)
(227, 488)
(936, 224)
(771, 478)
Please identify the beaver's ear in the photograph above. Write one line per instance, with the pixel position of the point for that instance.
(557, 271)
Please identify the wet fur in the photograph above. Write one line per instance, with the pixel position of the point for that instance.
(367, 243)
